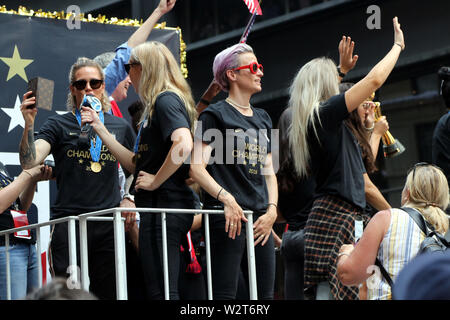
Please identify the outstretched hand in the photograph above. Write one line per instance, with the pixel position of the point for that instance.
(398, 34)
(166, 5)
(347, 60)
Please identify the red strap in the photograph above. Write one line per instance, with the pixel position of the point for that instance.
(194, 266)
(115, 109)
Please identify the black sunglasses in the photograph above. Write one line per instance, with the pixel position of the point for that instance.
(128, 66)
(93, 83)
(421, 164)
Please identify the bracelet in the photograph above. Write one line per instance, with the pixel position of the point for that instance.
(129, 197)
(341, 74)
(399, 45)
(371, 128)
(218, 194)
(342, 254)
(205, 102)
(274, 204)
(28, 173)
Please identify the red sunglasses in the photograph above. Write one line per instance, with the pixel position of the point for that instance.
(254, 66)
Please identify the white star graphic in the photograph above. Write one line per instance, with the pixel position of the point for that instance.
(15, 114)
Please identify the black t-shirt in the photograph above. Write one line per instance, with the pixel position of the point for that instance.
(240, 146)
(80, 190)
(336, 160)
(6, 219)
(294, 204)
(441, 144)
(155, 142)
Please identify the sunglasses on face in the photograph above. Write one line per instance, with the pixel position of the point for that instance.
(421, 164)
(254, 66)
(128, 66)
(93, 83)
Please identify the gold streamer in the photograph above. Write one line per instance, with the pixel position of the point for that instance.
(61, 15)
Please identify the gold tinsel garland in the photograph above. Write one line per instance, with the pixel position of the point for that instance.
(61, 15)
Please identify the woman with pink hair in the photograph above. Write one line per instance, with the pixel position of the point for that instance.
(232, 162)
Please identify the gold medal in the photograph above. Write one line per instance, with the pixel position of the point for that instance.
(96, 167)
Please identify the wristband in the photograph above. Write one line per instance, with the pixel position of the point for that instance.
(341, 74)
(218, 194)
(342, 254)
(129, 197)
(399, 45)
(28, 173)
(205, 102)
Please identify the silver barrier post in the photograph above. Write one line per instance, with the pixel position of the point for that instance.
(251, 259)
(38, 256)
(84, 254)
(8, 269)
(208, 258)
(119, 244)
(73, 270)
(165, 258)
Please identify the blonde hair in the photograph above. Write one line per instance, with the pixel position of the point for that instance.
(429, 193)
(315, 82)
(160, 73)
(83, 62)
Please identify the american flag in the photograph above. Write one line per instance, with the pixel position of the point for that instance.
(253, 5)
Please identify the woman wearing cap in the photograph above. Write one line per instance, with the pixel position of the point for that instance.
(392, 236)
(232, 163)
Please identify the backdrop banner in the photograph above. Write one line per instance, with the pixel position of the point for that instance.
(44, 47)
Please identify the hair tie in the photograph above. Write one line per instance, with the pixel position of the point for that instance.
(431, 204)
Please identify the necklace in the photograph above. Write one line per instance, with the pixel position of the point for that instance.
(236, 104)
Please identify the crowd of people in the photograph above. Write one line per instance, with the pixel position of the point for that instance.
(173, 156)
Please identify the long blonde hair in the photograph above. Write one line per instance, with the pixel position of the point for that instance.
(160, 73)
(315, 82)
(429, 193)
(83, 62)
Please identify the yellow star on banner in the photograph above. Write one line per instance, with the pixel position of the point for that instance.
(16, 65)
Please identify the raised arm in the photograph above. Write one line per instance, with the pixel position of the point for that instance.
(141, 34)
(31, 152)
(378, 75)
(115, 71)
(347, 60)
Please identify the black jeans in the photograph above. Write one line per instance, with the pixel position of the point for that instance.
(226, 258)
(101, 259)
(150, 245)
(293, 252)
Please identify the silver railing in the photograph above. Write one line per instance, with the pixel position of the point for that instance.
(119, 247)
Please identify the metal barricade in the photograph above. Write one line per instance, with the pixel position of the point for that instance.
(119, 247)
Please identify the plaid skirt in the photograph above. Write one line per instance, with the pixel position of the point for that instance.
(330, 224)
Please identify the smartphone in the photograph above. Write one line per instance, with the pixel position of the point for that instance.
(32, 86)
(43, 91)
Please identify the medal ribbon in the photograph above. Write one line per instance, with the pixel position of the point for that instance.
(96, 147)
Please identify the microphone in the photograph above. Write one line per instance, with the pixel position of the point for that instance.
(90, 101)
